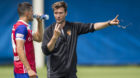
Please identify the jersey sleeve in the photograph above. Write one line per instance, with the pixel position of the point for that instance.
(83, 28)
(21, 32)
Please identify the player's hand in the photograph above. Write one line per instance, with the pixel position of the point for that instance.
(38, 18)
(57, 31)
(115, 21)
(32, 74)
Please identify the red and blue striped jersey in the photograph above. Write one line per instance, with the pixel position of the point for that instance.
(21, 31)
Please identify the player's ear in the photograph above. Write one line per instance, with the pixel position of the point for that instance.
(25, 13)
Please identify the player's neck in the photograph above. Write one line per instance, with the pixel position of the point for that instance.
(24, 19)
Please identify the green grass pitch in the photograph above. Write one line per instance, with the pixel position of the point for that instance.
(86, 72)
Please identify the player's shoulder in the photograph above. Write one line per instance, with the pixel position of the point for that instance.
(21, 27)
(75, 23)
(72, 23)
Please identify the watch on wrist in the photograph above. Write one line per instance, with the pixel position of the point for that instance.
(109, 23)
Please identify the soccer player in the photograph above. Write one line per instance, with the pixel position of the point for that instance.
(60, 40)
(22, 42)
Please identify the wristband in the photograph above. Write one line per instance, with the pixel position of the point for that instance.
(109, 23)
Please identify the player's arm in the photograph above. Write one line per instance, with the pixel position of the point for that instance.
(21, 33)
(51, 43)
(37, 36)
(22, 57)
(101, 25)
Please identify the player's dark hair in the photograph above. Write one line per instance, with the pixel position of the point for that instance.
(59, 5)
(22, 7)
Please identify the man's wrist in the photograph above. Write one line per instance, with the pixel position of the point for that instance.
(28, 68)
(109, 23)
(40, 22)
(54, 37)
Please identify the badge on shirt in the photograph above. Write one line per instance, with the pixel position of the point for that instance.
(69, 32)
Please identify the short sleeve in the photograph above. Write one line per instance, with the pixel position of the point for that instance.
(83, 28)
(21, 32)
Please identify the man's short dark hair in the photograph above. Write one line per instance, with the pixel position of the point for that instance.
(22, 7)
(59, 5)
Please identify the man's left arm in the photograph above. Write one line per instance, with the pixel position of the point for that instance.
(101, 25)
(37, 36)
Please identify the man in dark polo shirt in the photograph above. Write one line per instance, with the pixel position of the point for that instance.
(60, 40)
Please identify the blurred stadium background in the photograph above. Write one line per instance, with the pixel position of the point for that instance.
(113, 52)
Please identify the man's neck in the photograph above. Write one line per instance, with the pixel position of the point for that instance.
(24, 19)
(63, 24)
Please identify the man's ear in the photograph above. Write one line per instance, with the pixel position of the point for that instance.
(26, 13)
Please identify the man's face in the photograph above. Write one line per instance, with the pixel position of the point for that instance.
(29, 14)
(60, 15)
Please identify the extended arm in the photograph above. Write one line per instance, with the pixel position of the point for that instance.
(101, 25)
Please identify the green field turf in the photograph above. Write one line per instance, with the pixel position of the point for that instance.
(86, 72)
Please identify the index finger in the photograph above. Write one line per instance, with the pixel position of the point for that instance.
(56, 25)
(116, 16)
(59, 26)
